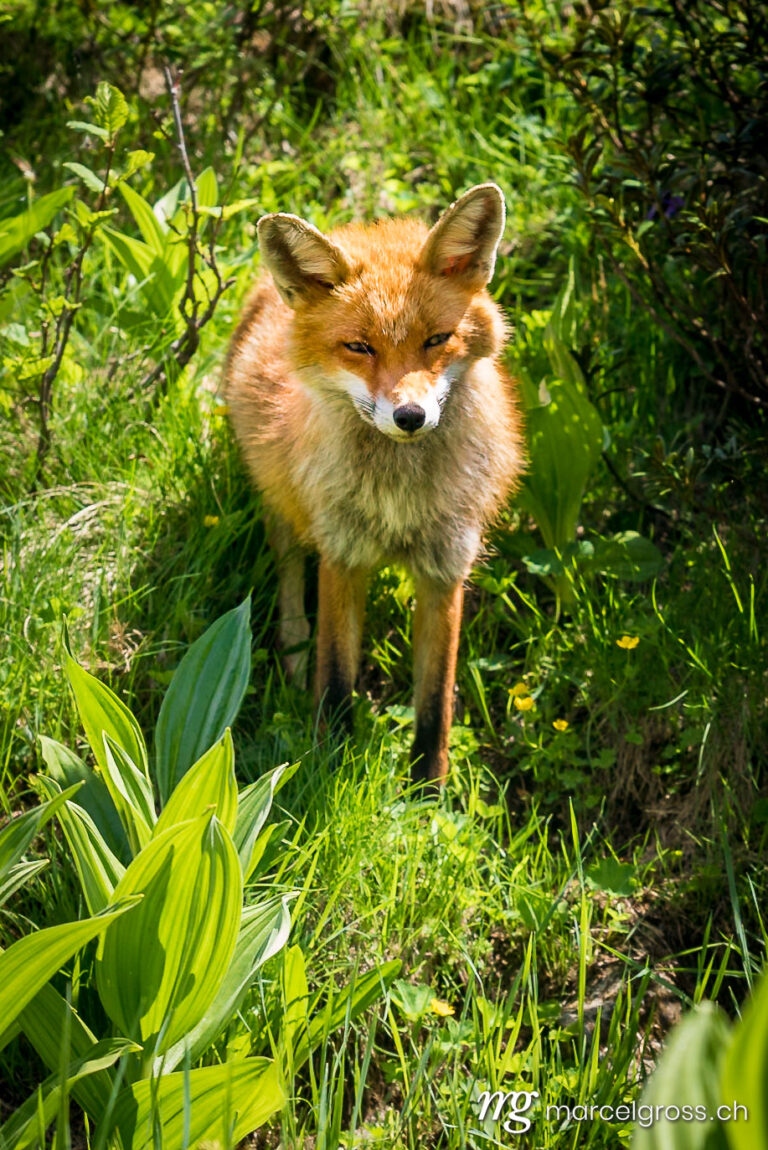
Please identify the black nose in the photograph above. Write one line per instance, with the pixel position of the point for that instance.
(409, 417)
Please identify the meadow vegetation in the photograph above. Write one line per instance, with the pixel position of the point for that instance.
(595, 867)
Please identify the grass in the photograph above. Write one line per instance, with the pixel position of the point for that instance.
(573, 889)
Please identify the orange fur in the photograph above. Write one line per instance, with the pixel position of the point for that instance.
(401, 448)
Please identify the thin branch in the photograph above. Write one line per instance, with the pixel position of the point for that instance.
(185, 345)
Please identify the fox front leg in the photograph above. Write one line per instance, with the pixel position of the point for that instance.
(340, 611)
(290, 559)
(436, 627)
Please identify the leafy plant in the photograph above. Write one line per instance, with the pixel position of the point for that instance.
(173, 979)
(174, 265)
(169, 982)
(565, 440)
(720, 1069)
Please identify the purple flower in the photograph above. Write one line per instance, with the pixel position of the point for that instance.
(670, 206)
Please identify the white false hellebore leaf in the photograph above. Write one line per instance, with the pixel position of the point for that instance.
(97, 868)
(217, 1105)
(253, 806)
(100, 711)
(23, 1127)
(204, 697)
(18, 834)
(264, 931)
(27, 965)
(66, 768)
(157, 978)
(687, 1074)
(745, 1073)
(131, 792)
(209, 783)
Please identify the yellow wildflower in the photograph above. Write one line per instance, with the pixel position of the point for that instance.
(524, 702)
(627, 642)
(443, 1009)
(560, 724)
(210, 521)
(518, 690)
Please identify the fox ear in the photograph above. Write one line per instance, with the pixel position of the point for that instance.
(463, 242)
(304, 263)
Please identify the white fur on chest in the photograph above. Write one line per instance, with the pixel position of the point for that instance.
(373, 501)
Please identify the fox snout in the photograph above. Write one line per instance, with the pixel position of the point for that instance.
(409, 416)
(414, 406)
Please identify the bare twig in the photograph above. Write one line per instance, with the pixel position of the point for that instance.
(185, 345)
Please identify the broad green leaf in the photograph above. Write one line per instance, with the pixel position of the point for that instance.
(67, 768)
(223, 1104)
(17, 231)
(135, 256)
(626, 555)
(204, 696)
(131, 792)
(207, 189)
(21, 1129)
(228, 210)
(688, 1073)
(46, 1022)
(98, 869)
(16, 836)
(565, 440)
(150, 270)
(149, 226)
(612, 876)
(166, 206)
(17, 875)
(92, 182)
(264, 931)
(27, 965)
(253, 806)
(134, 161)
(295, 1001)
(267, 844)
(100, 711)
(8, 1033)
(210, 782)
(745, 1074)
(157, 979)
(88, 129)
(110, 109)
(346, 1004)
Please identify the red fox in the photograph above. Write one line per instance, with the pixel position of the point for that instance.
(364, 389)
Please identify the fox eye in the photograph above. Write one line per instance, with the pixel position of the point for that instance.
(360, 348)
(436, 340)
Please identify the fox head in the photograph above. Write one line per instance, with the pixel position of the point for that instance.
(390, 316)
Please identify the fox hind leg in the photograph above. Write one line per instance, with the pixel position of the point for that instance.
(436, 627)
(294, 631)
